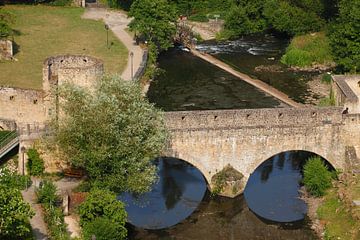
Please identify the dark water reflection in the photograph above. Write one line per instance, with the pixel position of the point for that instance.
(272, 191)
(178, 205)
(190, 83)
(174, 197)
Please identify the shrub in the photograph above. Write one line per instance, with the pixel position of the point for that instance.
(103, 203)
(326, 78)
(47, 193)
(199, 18)
(54, 219)
(13, 180)
(103, 228)
(35, 164)
(317, 177)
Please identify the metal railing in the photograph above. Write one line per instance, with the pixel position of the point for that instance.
(8, 141)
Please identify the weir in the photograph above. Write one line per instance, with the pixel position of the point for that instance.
(254, 82)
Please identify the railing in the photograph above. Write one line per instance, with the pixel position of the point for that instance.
(7, 142)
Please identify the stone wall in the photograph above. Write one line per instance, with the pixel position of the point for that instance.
(211, 140)
(6, 124)
(78, 69)
(344, 95)
(6, 49)
(232, 119)
(22, 105)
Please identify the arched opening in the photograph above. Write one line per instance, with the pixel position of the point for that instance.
(273, 189)
(179, 190)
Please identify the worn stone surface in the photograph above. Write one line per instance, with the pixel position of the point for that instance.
(210, 140)
(6, 49)
(346, 91)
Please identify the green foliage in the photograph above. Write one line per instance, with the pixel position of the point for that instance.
(53, 215)
(14, 180)
(103, 204)
(317, 177)
(14, 214)
(103, 228)
(61, 3)
(326, 78)
(46, 194)
(112, 132)
(339, 222)
(306, 50)
(200, 17)
(328, 101)
(344, 35)
(155, 20)
(6, 19)
(35, 165)
(287, 18)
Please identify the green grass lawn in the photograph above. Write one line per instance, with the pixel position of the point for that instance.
(47, 31)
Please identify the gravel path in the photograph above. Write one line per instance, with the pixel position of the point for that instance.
(117, 22)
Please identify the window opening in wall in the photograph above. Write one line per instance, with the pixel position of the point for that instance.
(183, 117)
(215, 117)
(61, 61)
(314, 114)
(35, 101)
(84, 60)
(280, 115)
(12, 98)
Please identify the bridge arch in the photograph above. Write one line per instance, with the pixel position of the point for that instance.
(270, 154)
(193, 162)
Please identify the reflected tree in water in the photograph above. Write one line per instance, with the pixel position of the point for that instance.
(267, 169)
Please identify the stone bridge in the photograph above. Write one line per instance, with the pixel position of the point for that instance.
(243, 139)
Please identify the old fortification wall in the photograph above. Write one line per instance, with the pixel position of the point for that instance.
(6, 49)
(78, 69)
(22, 105)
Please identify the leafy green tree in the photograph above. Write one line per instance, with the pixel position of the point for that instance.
(112, 132)
(317, 177)
(344, 36)
(35, 164)
(155, 20)
(6, 19)
(14, 214)
(287, 18)
(103, 228)
(103, 204)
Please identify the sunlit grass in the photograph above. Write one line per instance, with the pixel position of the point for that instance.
(47, 31)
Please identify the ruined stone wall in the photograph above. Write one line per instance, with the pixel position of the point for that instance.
(6, 49)
(344, 95)
(210, 140)
(22, 105)
(78, 69)
(6, 124)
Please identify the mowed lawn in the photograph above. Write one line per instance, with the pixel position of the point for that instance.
(46, 31)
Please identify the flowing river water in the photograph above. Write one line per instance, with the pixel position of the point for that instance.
(179, 205)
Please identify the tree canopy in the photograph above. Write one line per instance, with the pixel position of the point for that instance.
(155, 20)
(344, 36)
(112, 132)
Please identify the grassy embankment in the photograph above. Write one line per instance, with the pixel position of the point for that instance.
(342, 221)
(308, 50)
(47, 31)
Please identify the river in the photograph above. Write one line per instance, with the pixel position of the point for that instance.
(179, 205)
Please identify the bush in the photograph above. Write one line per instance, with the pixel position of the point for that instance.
(317, 177)
(54, 219)
(35, 165)
(326, 78)
(102, 228)
(13, 180)
(306, 50)
(103, 203)
(61, 3)
(199, 18)
(46, 194)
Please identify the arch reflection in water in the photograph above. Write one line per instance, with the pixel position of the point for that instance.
(272, 191)
(178, 192)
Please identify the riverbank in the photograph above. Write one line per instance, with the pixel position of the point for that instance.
(335, 216)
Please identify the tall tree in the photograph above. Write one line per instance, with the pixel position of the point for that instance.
(344, 36)
(155, 20)
(112, 132)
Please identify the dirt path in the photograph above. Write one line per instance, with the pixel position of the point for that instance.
(37, 222)
(255, 82)
(117, 22)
